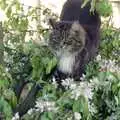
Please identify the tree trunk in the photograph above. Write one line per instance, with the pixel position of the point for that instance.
(29, 101)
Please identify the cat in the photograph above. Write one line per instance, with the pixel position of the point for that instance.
(74, 39)
(67, 42)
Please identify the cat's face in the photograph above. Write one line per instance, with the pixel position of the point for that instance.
(67, 37)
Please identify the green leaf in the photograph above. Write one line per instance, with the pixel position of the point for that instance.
(81, 106)
(104, 8)
(3, 4)
(17, 5)
(51, 115)
(77, 106)
(10, 96)
(44, 116)
(4, 83)
(9, 11)
(5, 108)
(51, 64)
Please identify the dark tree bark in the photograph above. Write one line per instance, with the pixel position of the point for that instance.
(18, 88)
(29, 101)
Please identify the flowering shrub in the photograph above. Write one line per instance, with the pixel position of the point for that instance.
(27, 89)
(93, 98)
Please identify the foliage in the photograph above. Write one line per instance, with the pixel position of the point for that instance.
(107, 96)
(96, 97)
(6, 97)
(103, 103)
(42, 62)
(111, 39)
(103, 7)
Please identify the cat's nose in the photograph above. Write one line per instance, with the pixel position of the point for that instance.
(63, 47)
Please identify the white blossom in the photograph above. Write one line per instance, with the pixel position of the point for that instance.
(98, 58)
(16, 117)
(73, 86)
(109, 65)
(92, 108)
(84, 89)
(75, 93)
(45, 106)
(39, 105)
(69, 118)
(54, 82)
(30, 111)
(83, 77)
(77, 116)
(67, 82)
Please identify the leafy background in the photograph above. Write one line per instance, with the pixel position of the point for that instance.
(27, 89)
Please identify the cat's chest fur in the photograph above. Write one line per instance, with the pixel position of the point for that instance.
(66, 62)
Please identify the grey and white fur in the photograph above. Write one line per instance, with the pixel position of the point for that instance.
(75, 38)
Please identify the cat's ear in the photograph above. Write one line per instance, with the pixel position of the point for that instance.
(76, 28)
(52, 22)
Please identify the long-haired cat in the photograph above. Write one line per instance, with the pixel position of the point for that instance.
(75, 38)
